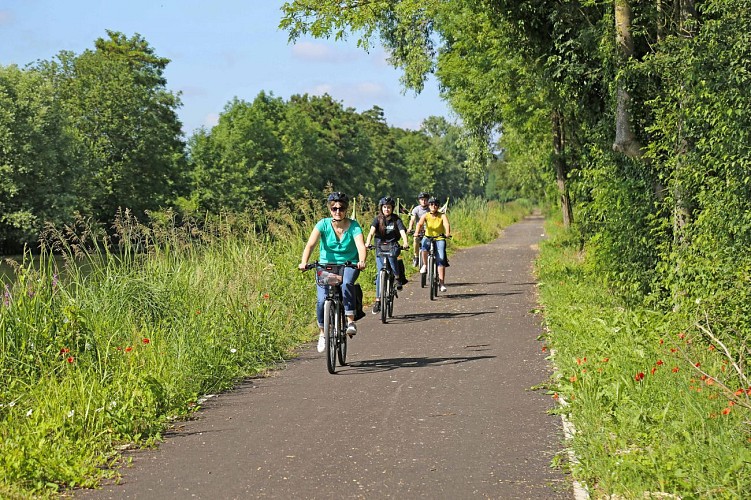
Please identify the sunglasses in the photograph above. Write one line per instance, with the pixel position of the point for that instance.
(338, 209)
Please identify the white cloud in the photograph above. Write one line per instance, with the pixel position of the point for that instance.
(319, 52)
(211, 120)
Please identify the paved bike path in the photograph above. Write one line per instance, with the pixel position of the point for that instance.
(438, 403)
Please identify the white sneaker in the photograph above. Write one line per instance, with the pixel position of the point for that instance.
(351, 329)
(423, 269)
(443, 288)
(321, 342)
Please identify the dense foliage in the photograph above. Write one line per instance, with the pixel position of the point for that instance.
(98, 132)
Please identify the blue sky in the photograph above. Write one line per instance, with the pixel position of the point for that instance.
(219, 50)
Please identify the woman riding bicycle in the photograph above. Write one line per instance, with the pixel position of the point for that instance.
(340, 241)
(387, 227)
(436, 225)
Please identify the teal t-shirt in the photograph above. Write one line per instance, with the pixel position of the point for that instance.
(334, 250)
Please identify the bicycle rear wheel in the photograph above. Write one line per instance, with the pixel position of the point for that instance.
(330, 330)
(423, 276)
(383, 279)
(392, 295)
(431, 276)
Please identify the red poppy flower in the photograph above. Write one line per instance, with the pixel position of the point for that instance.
(675, 369)
(128, 349)
(726, 411)
(265, 295)
(659, 362)
(64, 351)
(70, 359)
(639, 376)
(146, 341)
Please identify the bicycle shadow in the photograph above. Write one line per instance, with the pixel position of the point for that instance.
(388, 364)
(419, 317)
(450, 295)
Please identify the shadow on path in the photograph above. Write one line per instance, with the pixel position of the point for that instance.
(381, 365)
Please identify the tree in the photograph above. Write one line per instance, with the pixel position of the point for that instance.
(35, 158)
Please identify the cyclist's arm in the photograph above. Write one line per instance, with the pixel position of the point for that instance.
(362, 252)
(412, 219)
(446, 225)
(420, 224)
(370, 235)
(312, 240)
(405, 241)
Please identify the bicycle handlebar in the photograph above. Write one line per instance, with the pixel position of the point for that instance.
(313, 265)
(372, 247)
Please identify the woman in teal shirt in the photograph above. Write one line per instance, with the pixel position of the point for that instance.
(341, 241)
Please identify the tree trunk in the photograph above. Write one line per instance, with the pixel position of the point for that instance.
(625, 139)
(561, 169)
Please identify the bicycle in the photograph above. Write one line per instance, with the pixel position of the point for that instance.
(334, 321)
(386, 277)
(418, 261)
(432, 265)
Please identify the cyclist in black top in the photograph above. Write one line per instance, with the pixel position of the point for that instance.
(387, 227)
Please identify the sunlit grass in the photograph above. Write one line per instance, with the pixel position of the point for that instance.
(643, 392)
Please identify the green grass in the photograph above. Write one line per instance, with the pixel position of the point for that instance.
(104, 352)
(644, 392)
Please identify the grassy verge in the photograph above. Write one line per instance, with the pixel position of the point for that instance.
(658, 407)
(103, 353)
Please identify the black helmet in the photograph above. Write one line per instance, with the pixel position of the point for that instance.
(423, 194)
(386, 200)
(340, 197)
(434, 201)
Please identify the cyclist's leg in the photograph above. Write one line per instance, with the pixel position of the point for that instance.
(440, 248)
(320, 299)
(424, 247)
(349, 276)
(394, 263)
(379, 265)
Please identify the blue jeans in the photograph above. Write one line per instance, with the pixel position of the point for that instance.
(349, 276)
(440, 251)
(394, 262)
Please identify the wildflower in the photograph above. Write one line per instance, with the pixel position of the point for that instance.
(146, 340)
(112, 404)
(198, 312)
(6, 297)
(265, 295)
(697, 365)
(681, 335)
(639, 376)
(605, 360)
(555, 396)
(739, 392)
(653, 370)
(544, 348)
(711, 347)
(128, 349)
(28, 413)
(731, 403)
(233, 350)
(662, 341)
(70, 359)
(660, 362)
(54, 281)
(726, 411)
(710, 381)
(64, 351)
(673, 350)
(572, 378)
(71, 413)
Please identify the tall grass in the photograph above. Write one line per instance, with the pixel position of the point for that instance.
(99, 351)
(658, 407)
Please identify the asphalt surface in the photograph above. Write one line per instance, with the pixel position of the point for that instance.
(438, 403)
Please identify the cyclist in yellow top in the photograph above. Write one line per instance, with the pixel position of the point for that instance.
(435, 224)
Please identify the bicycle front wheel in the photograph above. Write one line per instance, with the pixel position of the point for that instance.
(330, 330)
(423, 276)
(431, 277)
(385, 291)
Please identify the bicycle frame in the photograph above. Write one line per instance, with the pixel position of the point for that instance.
(334, 324)
(432, 265)
(386, 277)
